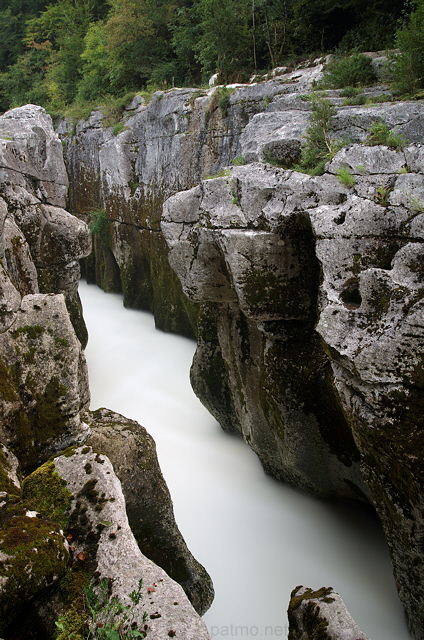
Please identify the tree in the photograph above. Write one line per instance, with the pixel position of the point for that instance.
(409, 65)
(226, 42)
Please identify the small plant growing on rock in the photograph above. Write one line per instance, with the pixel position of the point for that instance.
(415, 204)
(111, 619)
(382, 195)
(239, 161)
(345, 176)
(318, 147)
(99, 222)
(106, 618)
(221, 99)
(380, 133)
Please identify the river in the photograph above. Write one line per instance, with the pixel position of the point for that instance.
(257, 538)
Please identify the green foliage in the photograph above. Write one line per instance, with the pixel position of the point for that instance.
(349, 92)
(355, 100)
(221, 174)
(380, 133)
(345, 176)
(60, 52)
(23, 82)
(318, 146)
(381, 196)
(354, 70)
(238, 161)
(95, 72)
(105, 616)
(408, 67)
(99, 223)
(225, 44)
(111, 619)
(416, 204)
(219, 99)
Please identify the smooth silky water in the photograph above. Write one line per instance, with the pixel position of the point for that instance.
(257, 538)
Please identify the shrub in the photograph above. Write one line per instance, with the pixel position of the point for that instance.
(380, 133)
(408, 67)
(318, 147)
(99, 224)
(221, 99)
(355, 100)
(354, 70)
(349, 92)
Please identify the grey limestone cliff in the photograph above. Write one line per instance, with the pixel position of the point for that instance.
(305, 293)
(44, 400)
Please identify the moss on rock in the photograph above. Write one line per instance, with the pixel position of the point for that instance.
(46, 492)
(33, 556)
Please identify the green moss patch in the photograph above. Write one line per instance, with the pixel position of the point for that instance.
(46, 492)
(34, 556)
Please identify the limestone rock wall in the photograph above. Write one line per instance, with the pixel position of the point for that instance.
(44, 400)
(44, 384)
(311, 330)
(164, 147)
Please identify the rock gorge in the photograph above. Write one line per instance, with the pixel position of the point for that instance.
(305, 294)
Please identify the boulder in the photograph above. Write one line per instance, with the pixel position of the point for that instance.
(31, 154)
(320, 614)
(132, 452)
(82, 488)
(44, 384)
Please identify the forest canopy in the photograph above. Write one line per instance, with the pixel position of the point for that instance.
(75, 51)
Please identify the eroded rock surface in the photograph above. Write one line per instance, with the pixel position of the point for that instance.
(43, 382)
(104, 548)
(41, 242)
(44, 397)
(311, 329)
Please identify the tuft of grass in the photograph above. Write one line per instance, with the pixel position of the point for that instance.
(220, 174)
(381, 196)
(117, 128)
(345, 176)
(220, 99)
(349, 92)
(238, 161)
(415, 204)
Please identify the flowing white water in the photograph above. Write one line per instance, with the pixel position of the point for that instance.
(257, 538)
